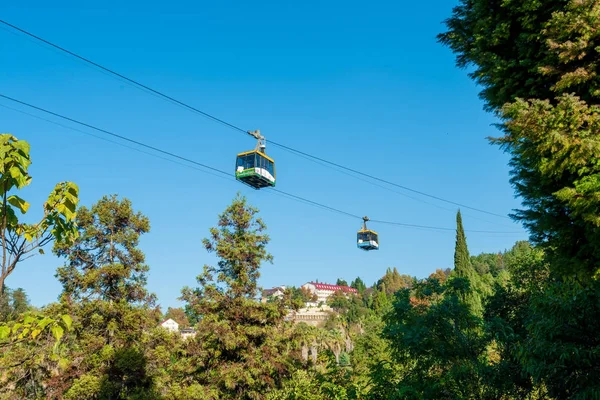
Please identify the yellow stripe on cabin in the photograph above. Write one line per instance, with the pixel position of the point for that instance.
(256, 151)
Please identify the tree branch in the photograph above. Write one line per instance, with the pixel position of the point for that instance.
(3, 233)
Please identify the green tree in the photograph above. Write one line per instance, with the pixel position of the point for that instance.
(19, 240)
(440, 274)
(540, 77)
(373, 371)
(303, 385)
(562, 343)
(297, 298)
(105, 262)
(439, 344)
(554, 150)
(506, 314)
(20, 302)
(241, 348)
(392, 281)
(464, 269)
(13, 303)
(381, 301)
(359, 285)
(104, 289)
(538, 64)
(341, 282)
(338, 301)
(30, 345)
(178, 315)
(526, 49)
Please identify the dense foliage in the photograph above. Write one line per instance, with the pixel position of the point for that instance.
(538, 65)
(241, 349)
(515, 324)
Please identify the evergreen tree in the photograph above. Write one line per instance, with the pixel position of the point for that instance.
(464, 269)
(20, 301)
(13, 303)
(540, 76)
(341, 282)
(104, 262)
(392, 281)
(104, 289)
(5, 306)
(240, 349)
(538, 63)
(359, 285)
(437, 343)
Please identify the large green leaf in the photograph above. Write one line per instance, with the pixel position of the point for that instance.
(18, 202)
(16, 327)
(4, 332)
(67, 320)
(57, 331)
(22, 145)
(45, 322)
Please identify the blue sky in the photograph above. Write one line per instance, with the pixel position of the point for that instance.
(364, 86)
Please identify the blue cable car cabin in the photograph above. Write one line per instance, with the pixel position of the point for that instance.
(367, 239)
(256, 169)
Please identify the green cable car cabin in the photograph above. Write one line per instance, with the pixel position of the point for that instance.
(367, 239)
(254, 167)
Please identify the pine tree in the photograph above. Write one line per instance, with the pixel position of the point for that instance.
(359, 285)
(464, 269)
(341, 282)
(241, 349)
(104, 262)
(104, 289)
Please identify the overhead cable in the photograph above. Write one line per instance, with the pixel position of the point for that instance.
(188, 160)
(236, 128)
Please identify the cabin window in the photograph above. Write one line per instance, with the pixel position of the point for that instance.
(269, 167)
(246, 161)
(366, 236)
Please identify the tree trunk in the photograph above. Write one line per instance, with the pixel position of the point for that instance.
(313, 352)
(304, 352)
(349, 344)
(337, 350)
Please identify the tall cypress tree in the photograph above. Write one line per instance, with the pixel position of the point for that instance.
(464, 269)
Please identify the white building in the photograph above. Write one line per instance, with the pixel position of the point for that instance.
(170, 325)
(273, 292)
(324, 290)
(315, 316)
(187, 333)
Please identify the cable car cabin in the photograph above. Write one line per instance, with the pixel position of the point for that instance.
(367, 240)
(256, 169)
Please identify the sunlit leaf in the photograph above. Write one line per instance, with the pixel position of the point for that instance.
(57, 331)
(16, 327)
(18, 202)
(67, 320)
(4, 332)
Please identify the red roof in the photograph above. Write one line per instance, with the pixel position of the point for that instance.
(334, 288)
